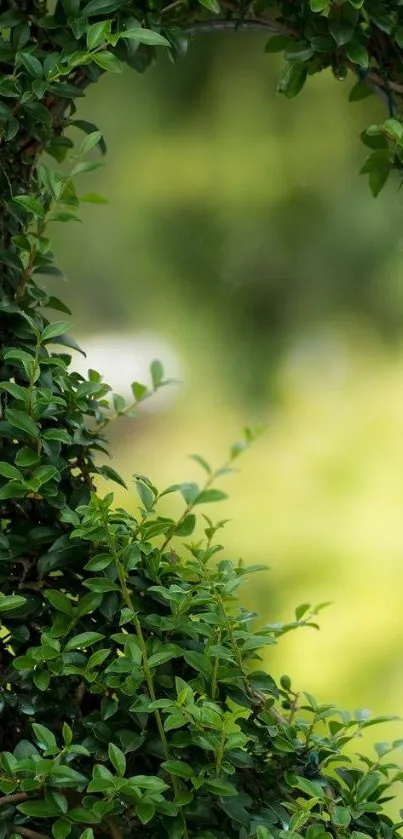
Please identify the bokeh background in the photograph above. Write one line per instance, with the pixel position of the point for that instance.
(241, 246)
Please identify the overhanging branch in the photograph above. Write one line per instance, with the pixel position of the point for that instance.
(207, 26)
(382, 87)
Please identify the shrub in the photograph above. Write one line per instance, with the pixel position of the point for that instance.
(132, 696)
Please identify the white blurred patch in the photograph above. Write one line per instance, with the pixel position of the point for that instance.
(125, 358)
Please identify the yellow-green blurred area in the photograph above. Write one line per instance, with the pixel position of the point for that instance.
(241, 244)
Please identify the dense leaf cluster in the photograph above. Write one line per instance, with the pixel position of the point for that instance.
(133, 700)
(132, 695)
(49, 56)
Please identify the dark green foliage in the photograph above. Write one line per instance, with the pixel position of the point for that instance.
(133, 698)
(132, 695)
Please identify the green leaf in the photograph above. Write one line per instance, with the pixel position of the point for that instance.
(399, 37)
(96, 34)
(263, 832)
(139, 391)
(98, 562)
(367, 786)
(38, 809)
(360, 91)
(146, 493)
(299, 51)
(358, 54)
(157, 373)
(15, 489)
(31, 64)
(88, 833)
(220, 787)
(146, 36)
(41, 679)
(89, 128)
(145, 812)
(108, 61)
(30, 204)
(93, 198)
(22, 421)
(199, 662)
(179, 768)
(45, 738)
(9, 471)
(117, 759)
(58, 434)
(53, 330)
(341, 30)
(109, 707)
(60, 602)
(149, 782)
(211, 5)
(285, 682)
(189, 492)
(187, 526)
(393, 129)
(100, 585)
(292, 79)
(11, 259)
(10, 602)
(378, 178)
(209, 495)
(80, 169)
(319, 5)
(174, 721)
(88, 604)
(160, 658)
(311, 788)
(301, 610)
(202, 462)
(84, 639)
(67, 734)
(90, 141)
(278, 43)
(61, 829)
(24, 662)
(341, 816)
(102, 7)
(41, 476)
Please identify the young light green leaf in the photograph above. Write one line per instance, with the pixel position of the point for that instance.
(146, 36)
(96, 34)
(117, 758)
(89, 142)
(108, 61)
(53, 330)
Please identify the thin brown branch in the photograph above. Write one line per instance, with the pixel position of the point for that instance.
(383, 84)
(30, 834)
(206, 26)
(261, 24)
(14, 798)
(279, 28)
(113, 830)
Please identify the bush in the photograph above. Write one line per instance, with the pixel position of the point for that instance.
(132, 696)
(133, 699)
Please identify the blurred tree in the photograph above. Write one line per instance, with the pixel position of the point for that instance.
(249, 245)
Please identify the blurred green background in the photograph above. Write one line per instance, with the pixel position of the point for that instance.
(241, 245)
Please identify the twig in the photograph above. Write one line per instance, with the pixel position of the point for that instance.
(172, 5)
(13, 798)
(30, 834)
(260, 24)
(113, 830)
(206, 26)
